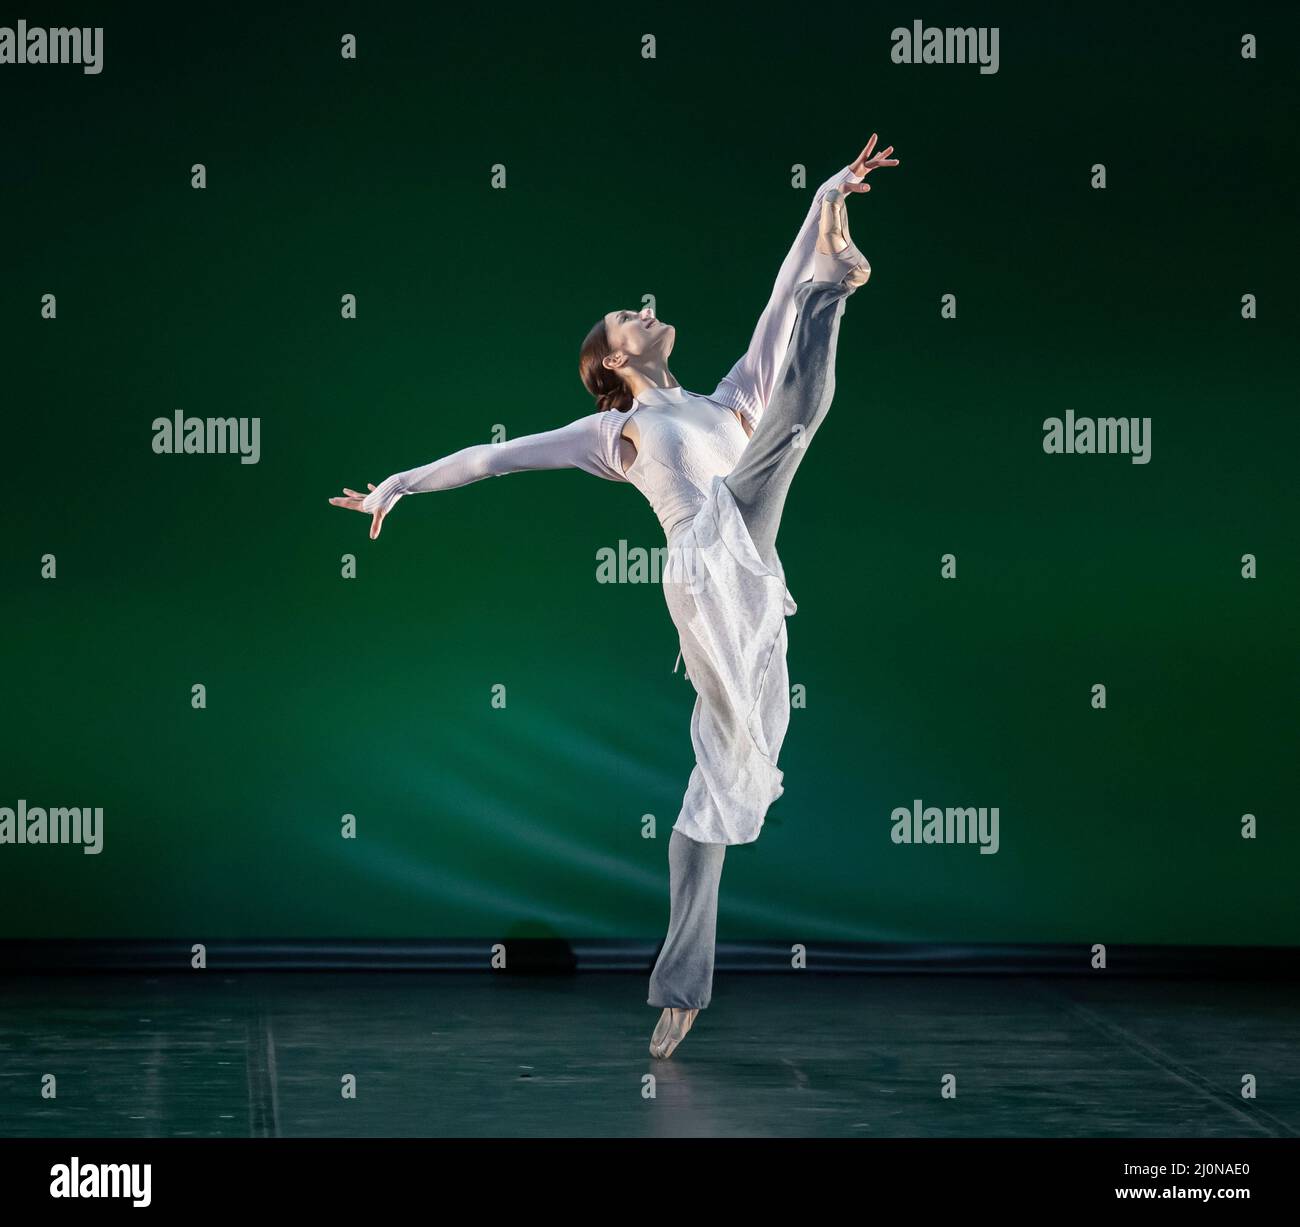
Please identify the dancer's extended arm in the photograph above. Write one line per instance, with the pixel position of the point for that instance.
(590, 444)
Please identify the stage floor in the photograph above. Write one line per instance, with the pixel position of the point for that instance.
(799, 1054)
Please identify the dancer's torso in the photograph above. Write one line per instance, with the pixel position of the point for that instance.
(683, 441)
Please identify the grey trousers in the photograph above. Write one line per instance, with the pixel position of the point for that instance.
(683, 973)
(802, 395)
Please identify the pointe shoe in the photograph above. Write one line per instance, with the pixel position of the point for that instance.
(670, 1031)
(661, 1030)
(836, 257)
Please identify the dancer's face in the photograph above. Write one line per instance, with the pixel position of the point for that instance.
(638, 337)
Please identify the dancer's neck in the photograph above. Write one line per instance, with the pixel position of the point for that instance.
(639, 381)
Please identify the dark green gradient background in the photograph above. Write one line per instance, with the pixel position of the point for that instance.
(627, 177)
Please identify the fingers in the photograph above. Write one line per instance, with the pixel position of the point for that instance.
(351, 499)
(354, 498)
(877, 163)
(866, 163)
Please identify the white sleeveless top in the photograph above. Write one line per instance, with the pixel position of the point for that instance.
(686, 440)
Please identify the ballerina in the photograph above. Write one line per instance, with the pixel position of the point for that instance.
(716, 470)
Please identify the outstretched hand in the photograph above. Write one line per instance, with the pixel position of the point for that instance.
(352, 501)
(865, 164)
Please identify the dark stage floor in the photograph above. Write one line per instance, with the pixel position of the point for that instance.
(472, 1054)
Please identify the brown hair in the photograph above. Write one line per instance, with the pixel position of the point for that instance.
(605, 385)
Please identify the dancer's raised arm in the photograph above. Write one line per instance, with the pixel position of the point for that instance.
(747, 387)
(590, 444)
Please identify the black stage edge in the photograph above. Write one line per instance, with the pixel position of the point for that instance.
(557, 956)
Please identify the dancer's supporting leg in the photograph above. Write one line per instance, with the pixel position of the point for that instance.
(803, 393)
(682, 980)
(683, 975)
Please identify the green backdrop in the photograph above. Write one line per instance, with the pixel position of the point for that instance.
(627, 176)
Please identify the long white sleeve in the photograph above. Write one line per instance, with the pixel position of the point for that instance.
(749, 384)
(590, 444)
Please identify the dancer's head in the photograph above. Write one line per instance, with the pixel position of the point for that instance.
(621, 343)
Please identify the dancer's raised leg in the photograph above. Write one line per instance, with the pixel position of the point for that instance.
(804, 387)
